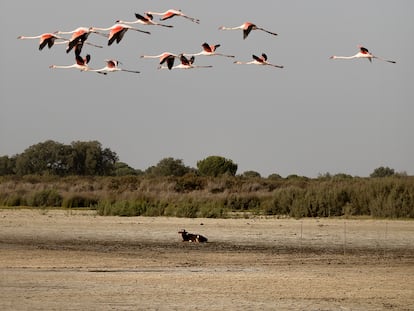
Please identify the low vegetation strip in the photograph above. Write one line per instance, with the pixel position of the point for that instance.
(215, 197)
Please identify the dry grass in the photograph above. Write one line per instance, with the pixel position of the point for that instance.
(194, 196)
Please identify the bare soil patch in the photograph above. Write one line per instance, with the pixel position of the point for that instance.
(75, 260)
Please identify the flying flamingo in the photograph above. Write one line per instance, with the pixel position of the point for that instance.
(80, 34)
(81, 64)
(171, 13)
(259, 60)
(185, 63)
(165, 57)
(210, 50)
(363, 53)
(144, 20)
(117, 32)
(112, 66)
(45, 39)
(247, 27)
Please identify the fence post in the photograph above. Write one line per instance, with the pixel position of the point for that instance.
(385, 237)
(301, 235)
(344, 237)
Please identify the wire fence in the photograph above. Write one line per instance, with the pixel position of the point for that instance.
(381, 237)
(324, 235)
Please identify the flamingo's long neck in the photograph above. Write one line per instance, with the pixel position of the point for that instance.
(195, 54)
(344, 57)
(101, 29)
(155, 13)
(102, 69)
(62, 42)
(65, 67)
(231, 28)
(67, 32)
(157, 56)
(129, 23)
(34, 37)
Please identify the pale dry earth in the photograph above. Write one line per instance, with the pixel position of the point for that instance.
(75, 260)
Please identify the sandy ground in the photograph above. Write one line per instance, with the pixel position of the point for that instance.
(62, 260)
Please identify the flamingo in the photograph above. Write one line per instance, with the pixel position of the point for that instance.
(117, 32)
(80, 34)
(46, 39)
(210, 50)
(144, 20)
(112, 66)
(258, 60)
(185, 63)
(165, 57)
(171, 13)
(81, 64)
(363, 53)
(247, 27)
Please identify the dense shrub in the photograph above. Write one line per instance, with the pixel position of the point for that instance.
(242, 203)
(212, 210)
(187, 210)
(382, 172)
(15, 199)
(200, 196)
(46, 198)
(79, 200)
(169, 167)
(216, 166)
(123, 208)
(189, 183)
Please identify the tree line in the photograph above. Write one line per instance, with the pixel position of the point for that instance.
(54, 158)
(89, 158)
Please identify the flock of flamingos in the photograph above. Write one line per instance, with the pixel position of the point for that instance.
(116, 33)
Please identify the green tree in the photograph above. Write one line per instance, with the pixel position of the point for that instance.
(107, 163)
(216, 166)
(251, 174)
(7, 165)
(123, 169)
(274, 176)
(53, 158)
(88, 158)
(382, 172)
(49, 157)
(342, 176)
(169, 167)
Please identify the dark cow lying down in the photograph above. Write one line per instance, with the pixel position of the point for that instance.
(190, 237)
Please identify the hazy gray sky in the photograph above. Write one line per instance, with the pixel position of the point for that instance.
(314, 116)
